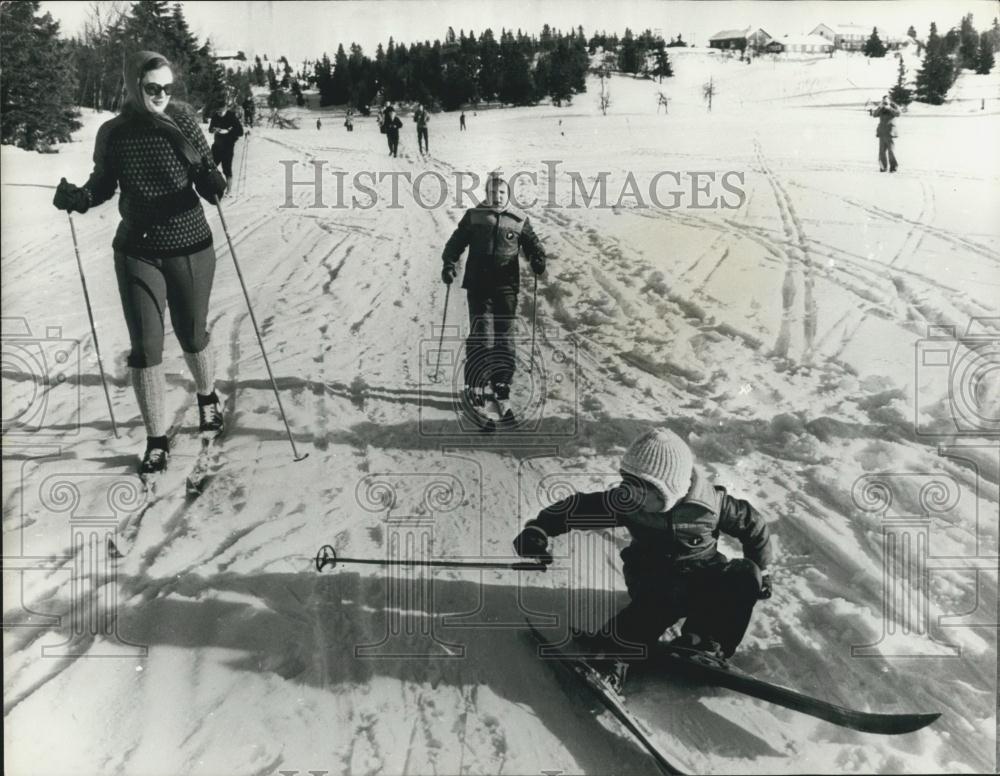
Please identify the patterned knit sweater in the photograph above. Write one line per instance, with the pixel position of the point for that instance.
(161, 214)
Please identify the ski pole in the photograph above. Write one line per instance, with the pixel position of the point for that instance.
(327, 556)
(534, 324)
(444, 318)
(86, 299)
(93, 328)
(253, 319)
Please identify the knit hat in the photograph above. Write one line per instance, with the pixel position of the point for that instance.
(662, 459)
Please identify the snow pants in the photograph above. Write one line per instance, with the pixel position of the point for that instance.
(422, 141)
(150, 287)
(717, 598)
(494, 309)
(886, 157)
(393, 138)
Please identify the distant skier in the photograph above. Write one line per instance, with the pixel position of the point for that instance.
(421, 118)
(886, 112)
(349, 120)
(494, 232)
(319, 125)
(673, 567)
(391, 126)
(227, 130)
(249, 111)
(461, 122)
(153, 151)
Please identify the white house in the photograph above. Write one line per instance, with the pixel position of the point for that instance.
(806, 44)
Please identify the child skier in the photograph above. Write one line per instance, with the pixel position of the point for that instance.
(673, 567)
(495, 232)
(153, 151)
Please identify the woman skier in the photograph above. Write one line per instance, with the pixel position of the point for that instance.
(153, 151)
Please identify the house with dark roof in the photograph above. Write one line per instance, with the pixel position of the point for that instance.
(749, 37)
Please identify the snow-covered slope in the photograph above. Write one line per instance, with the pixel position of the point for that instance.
(784, 338)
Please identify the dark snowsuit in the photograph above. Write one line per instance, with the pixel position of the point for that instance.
(673, 567)
(492, 278)
(886, 134)
(224, 144)
(392, 127)
(163, 247)
(461, 122)
(421, 118)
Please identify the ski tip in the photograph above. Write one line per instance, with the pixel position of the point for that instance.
(910, 723)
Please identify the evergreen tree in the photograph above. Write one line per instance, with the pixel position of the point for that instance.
(340, 85)
(661, 61)
(259, 79)
(874, 47)
(38, 88)
(968, 47)
(516, 85)
(899, 93)
(489, 66)
(995, 34)
(324, 80)
(985, 59)
(629, 58)
(936, 74)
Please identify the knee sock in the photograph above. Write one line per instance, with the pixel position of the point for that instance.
(150, 387)
(202, 366)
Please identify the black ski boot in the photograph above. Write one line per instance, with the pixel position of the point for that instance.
(700, 649)
(501, 395)
(210, 422)
(156, 458)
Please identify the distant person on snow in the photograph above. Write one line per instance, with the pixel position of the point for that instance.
(249, 109)
(349, 121)
(886, 112)
(494, 231)
(319, 124)
(421, 118)
(153, 151)
(461, 122)
(227, 130)
(673, 567)
(391, 126)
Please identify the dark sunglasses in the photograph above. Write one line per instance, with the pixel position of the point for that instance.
(154, 90)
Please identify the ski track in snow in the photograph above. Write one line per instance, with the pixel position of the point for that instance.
(779, 338)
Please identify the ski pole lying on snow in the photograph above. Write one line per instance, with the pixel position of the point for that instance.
(327, 556)
(260, 341)
(444, 319)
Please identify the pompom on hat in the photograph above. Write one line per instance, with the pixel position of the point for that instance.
(662, 459)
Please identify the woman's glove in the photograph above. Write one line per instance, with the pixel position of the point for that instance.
(209, 182)
(71, 198)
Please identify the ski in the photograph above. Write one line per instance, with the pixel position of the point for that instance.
(679, 662)
(612, 700)
(206, 465)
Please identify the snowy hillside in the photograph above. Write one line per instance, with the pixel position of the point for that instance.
(784, 338)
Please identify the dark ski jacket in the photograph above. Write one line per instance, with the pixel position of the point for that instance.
(227, 141)
(392, 126)
(421, 118)
(682, 538)
(494, 239)
(137, 152)
(886, 115)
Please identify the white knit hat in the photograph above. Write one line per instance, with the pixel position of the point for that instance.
(662, 459)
